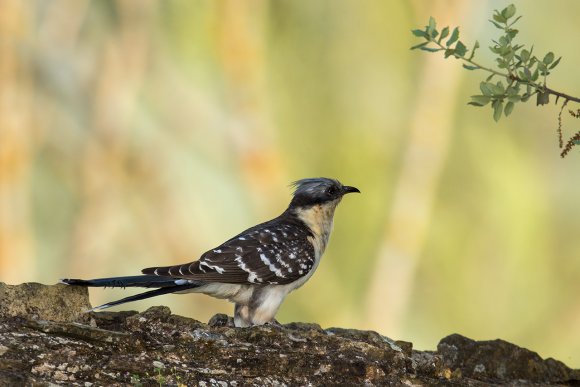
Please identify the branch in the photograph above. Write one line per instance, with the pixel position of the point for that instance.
(509, 77)
(525, 74)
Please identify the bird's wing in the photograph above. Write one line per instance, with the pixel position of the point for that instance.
(272, 254)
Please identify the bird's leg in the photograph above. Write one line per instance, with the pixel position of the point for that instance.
(264, 305)
(242, 316)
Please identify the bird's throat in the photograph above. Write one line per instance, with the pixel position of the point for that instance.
(319, 219)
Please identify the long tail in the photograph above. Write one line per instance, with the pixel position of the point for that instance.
(140, 281)
(164, 285)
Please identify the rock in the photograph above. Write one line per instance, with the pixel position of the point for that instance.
(35, 301)
(500, 360)
(45, 344)
(221, 320)
(429, 364)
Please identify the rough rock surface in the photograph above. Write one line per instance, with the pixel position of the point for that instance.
(47, 339)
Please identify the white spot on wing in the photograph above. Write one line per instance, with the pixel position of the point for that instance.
(220, 270)
(281, 261)
(265, 260)
(271, 266)
(253, 277)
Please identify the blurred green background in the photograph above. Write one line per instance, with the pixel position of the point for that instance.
(140, 133)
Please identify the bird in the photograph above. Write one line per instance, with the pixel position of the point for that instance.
(255, 269)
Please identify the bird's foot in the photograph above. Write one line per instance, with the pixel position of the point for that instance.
(274, 323)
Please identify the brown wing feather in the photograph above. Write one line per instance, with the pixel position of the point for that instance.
(271, 254)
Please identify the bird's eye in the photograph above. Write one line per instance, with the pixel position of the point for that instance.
(331, 190)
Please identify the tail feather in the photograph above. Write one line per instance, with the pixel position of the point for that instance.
(149, 294)
(164, 285)
(141, 281)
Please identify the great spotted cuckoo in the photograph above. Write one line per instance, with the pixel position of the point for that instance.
(257, 268)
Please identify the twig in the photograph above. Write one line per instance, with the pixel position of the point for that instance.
(509, 77)
(560, 141)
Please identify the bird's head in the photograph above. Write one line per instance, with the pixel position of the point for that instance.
(319, 191)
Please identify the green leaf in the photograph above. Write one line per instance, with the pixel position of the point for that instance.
(505, 51)
(449, 52)
(508, 11)
(430, 49)
(525, 55)
(509, 107)
(420, 33)
(549, 58)
(502, 64)
(432, 23)
(496, 25)
(511, 91)
(419, 45)
(527, 74)
(485, 88)
(514, 98)
(460, 49)
(475, 47)
(497, 109)
(512, 33)
(444, 33)
(497, 89)
(470, 67)
(498, 17)
(543, 68)
(490, 78)
(431, 28)
(555, 63)
(479, 100)
(454, 37)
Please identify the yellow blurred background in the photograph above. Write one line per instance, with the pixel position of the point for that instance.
(138, 133)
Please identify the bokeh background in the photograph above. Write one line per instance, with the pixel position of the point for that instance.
(138, 133)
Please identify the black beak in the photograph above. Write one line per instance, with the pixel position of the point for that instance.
(347, 189)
